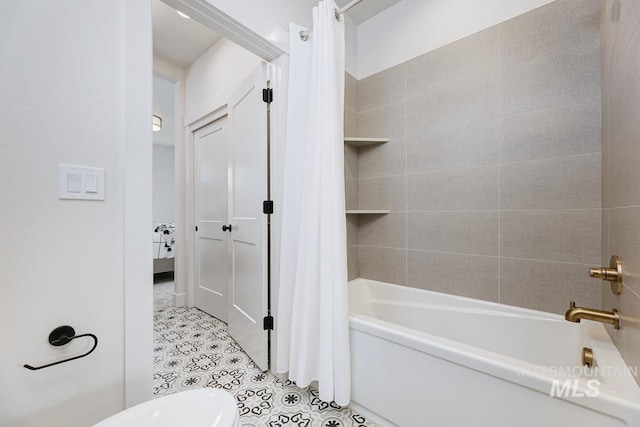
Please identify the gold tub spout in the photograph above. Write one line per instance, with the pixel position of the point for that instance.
(576, 314)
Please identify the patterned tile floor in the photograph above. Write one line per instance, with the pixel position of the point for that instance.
(193, 349)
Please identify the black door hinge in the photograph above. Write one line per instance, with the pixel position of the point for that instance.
(267, 207)
(268, 323)
(267, 95)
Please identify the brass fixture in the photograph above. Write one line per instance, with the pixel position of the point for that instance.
(612, 274)
(587, 357)
(575, 314)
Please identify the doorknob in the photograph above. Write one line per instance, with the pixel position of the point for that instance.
(226, 227)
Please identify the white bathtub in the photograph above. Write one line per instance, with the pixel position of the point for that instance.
(428, 359)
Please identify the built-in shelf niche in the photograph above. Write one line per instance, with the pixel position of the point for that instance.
(357, 141)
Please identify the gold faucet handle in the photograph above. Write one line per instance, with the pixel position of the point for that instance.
(598, 272)
(572, 304)
(612, 274)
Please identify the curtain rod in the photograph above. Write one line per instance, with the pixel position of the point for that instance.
(304, 35)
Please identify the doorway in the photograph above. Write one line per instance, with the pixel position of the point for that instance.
(220, 271)
(164, 193)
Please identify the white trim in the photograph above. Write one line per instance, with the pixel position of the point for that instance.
(218, 113)
(137, 205)
(278, 125)
(209, 16)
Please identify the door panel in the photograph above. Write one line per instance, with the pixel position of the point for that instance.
(248, 148)
(212, 244)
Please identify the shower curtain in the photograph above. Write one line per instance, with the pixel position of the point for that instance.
(312, 325)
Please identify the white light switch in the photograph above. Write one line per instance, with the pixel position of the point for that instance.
(91, 183)
(80, 182)
(74, 182)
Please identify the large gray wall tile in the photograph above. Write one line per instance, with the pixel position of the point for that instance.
(471, 276)
(560, 25)
(473, 56)
(562, 130)
(386, 192)
(351, 92)
(454, 189)
(351, 193)
(384, 159)
(623, 176)
(352, 230)
(474, 99)
(351, 161)
(350, 122)
(383, 88)
(571, 182)
(473, 232)
(547, 286)
(622, 19)
(606, 203)
(624, 100)
(388, 121)
(552, 235)
(383, 264)
(567, 76)
(352, 262)
(606, 245)
(383, 230)
(627, 338)
(454, 146)
(624, 241)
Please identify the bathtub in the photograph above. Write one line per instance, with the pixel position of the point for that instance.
(427, 359)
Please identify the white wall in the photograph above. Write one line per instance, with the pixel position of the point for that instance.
(164, 184)
(64, 78)
(414, 27)
(351, 46)
(214, 76)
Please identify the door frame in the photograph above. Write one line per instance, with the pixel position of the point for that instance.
(138, 336)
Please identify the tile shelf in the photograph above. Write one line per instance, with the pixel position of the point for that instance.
(367, 211)
(356, 141)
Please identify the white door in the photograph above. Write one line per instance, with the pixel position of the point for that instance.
(248, 149)
(212, 243)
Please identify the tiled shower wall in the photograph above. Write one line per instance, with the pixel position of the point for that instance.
(620, 160)
(492, 173)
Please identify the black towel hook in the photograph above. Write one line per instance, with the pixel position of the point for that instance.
(63, 335)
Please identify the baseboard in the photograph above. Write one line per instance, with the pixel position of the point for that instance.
(179, 300)
(370, 416)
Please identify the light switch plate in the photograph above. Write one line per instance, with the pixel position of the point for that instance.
(80, 182)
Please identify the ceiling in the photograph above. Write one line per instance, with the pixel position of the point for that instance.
(366, 9)
(176, 39)
(181, 41)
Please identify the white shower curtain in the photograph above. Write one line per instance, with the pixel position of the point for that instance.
(312, 326)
